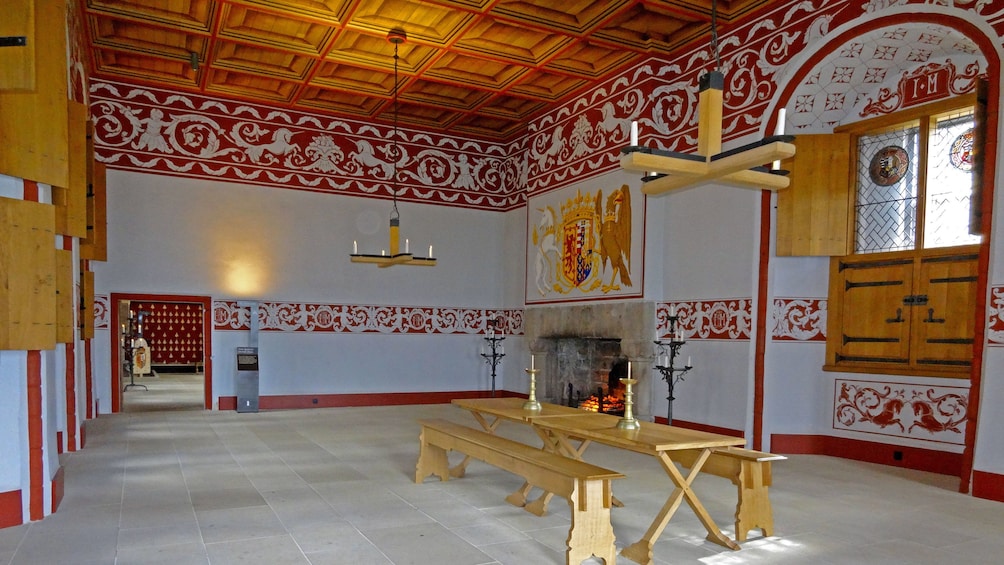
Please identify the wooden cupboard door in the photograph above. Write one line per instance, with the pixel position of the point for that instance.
(944, 325)
(34, 139)
(874, 321)
(71, 199)
(64, 296)
(27, 275)
(814, 212)
(86, 304)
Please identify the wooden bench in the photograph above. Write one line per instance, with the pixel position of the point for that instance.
(586, 487)
(750, 471)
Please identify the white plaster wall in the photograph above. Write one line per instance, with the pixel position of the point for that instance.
(228, 240)
(989, 452)
(236, 242)
(710, 242)
(13, 420)
(714, 391)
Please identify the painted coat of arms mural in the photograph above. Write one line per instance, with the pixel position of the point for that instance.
(584, 245)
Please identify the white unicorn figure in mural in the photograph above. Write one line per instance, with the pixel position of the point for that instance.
(365, 155)
(545, 240)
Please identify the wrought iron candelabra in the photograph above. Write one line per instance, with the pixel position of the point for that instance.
(495, 352)
(665, 361)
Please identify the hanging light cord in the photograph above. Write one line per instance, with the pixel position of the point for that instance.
(394, 213)
(714, 35)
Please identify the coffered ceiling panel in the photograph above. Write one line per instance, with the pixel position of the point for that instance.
(472, 67)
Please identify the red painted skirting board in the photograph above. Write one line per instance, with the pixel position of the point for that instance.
(908, 457)
(988, 485)
(286, 402)
(10, 509)
(59, 442)
(701, 427)
(58, 489)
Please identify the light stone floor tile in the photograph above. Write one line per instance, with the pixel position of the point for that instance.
(487, 533)
(181, 554)
(313, 486)
(239, 524)
(173, 534)
(428, 543)
(523, 552)
(279, 550)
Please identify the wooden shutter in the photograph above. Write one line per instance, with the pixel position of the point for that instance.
(814, 212)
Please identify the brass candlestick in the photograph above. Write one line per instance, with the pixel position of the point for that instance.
(531, 403)
(628, 422)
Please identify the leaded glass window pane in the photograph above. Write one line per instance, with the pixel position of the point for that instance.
(886, 207)
(949, 182)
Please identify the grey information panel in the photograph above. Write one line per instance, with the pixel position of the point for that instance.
(247, 379)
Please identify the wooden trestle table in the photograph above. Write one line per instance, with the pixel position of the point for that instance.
(559, 426)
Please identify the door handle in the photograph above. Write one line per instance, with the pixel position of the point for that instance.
(931, 319)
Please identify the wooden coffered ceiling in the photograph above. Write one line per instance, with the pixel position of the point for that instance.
(469, 67)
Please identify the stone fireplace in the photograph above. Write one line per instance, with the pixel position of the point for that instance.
(578, 345)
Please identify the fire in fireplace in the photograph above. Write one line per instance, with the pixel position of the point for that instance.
(609, 399)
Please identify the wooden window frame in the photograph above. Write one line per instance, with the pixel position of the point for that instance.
(905, 326)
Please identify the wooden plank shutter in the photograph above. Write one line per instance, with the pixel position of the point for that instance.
(814, 212)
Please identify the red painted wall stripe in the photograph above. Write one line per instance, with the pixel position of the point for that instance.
(907, 457)
(31, 190)
(88, 384)
(71, 397)
(58, 488)
(285, 402)
(988, 485)
(36, 489)
(10, 509)
(701, 427)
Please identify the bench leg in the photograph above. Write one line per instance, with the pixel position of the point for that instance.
(432, 460)
(591, 532)
(753, 510)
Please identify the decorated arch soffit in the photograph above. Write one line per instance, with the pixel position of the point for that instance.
(145, 129)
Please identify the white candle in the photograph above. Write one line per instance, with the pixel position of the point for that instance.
(355, 247)
(778, 130)
(629, 370)
(657, 335)
(688, 361)
(430, 251)
(672, 310)
(634, 133)
(406, 245)
(532, 367)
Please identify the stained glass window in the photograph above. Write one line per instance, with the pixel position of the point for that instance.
(892, 194)
(949, 182)
(887, 191)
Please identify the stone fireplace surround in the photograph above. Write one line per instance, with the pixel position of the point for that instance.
(584, 332)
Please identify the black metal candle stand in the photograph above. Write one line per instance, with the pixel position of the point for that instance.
(672, 374)
(494, 355)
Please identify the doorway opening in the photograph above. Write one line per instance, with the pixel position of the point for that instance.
(177, 330)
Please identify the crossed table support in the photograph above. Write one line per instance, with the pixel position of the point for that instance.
(559, 428)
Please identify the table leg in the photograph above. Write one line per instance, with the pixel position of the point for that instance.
(641, 551)
(560, 444)
(460, 469)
